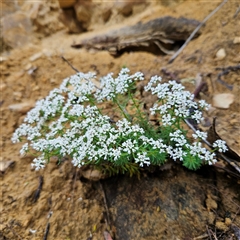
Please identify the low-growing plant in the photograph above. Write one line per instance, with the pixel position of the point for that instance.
(72, 121)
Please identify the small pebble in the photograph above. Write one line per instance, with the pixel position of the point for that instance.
(221, 54)
(236, 40)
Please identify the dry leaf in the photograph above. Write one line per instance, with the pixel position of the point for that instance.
(213, 136)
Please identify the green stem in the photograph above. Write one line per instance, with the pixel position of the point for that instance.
(139, 113)
(122, 110)
(93, 102)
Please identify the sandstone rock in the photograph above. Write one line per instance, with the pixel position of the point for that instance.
(44, 16)
(16, 29)
(66, 3)
(106, 13)
(125, 8)
(83, 12)
(23, 107)
(93, 175)
(68, 18)
(8, 7)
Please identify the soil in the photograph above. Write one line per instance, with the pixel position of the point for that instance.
(172, 203)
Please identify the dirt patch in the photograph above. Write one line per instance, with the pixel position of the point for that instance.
(170, 204)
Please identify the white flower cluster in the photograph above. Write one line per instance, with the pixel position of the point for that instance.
(220, 145)
(110, 87)
(67, 123)
(174, 103)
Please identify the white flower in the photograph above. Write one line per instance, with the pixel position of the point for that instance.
(196, 148)
(177, 153)
(162, 90)
(77, 110)
(69, 122)
(24, 149)
(38, 163)
(107, 88)
(129, 146)
(203, 104)
(138, 76)
(178, 138)
(115, 153)
(197, 116)
(221, 145)
(199, 134)
(212, 162)
(167, 120)
(209, 157)
(142, 159)
(153, 81)
(123, 125)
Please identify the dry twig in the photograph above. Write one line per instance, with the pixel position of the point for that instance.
(209, 234)
(76, 70)
(225, 71)
(214, 235)
(195, 31)
(105, 204)
(64, 59)
(38, 191)
(46, 231)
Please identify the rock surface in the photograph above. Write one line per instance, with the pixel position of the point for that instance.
(16, 29)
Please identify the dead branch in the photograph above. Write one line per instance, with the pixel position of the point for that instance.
(195, 31)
